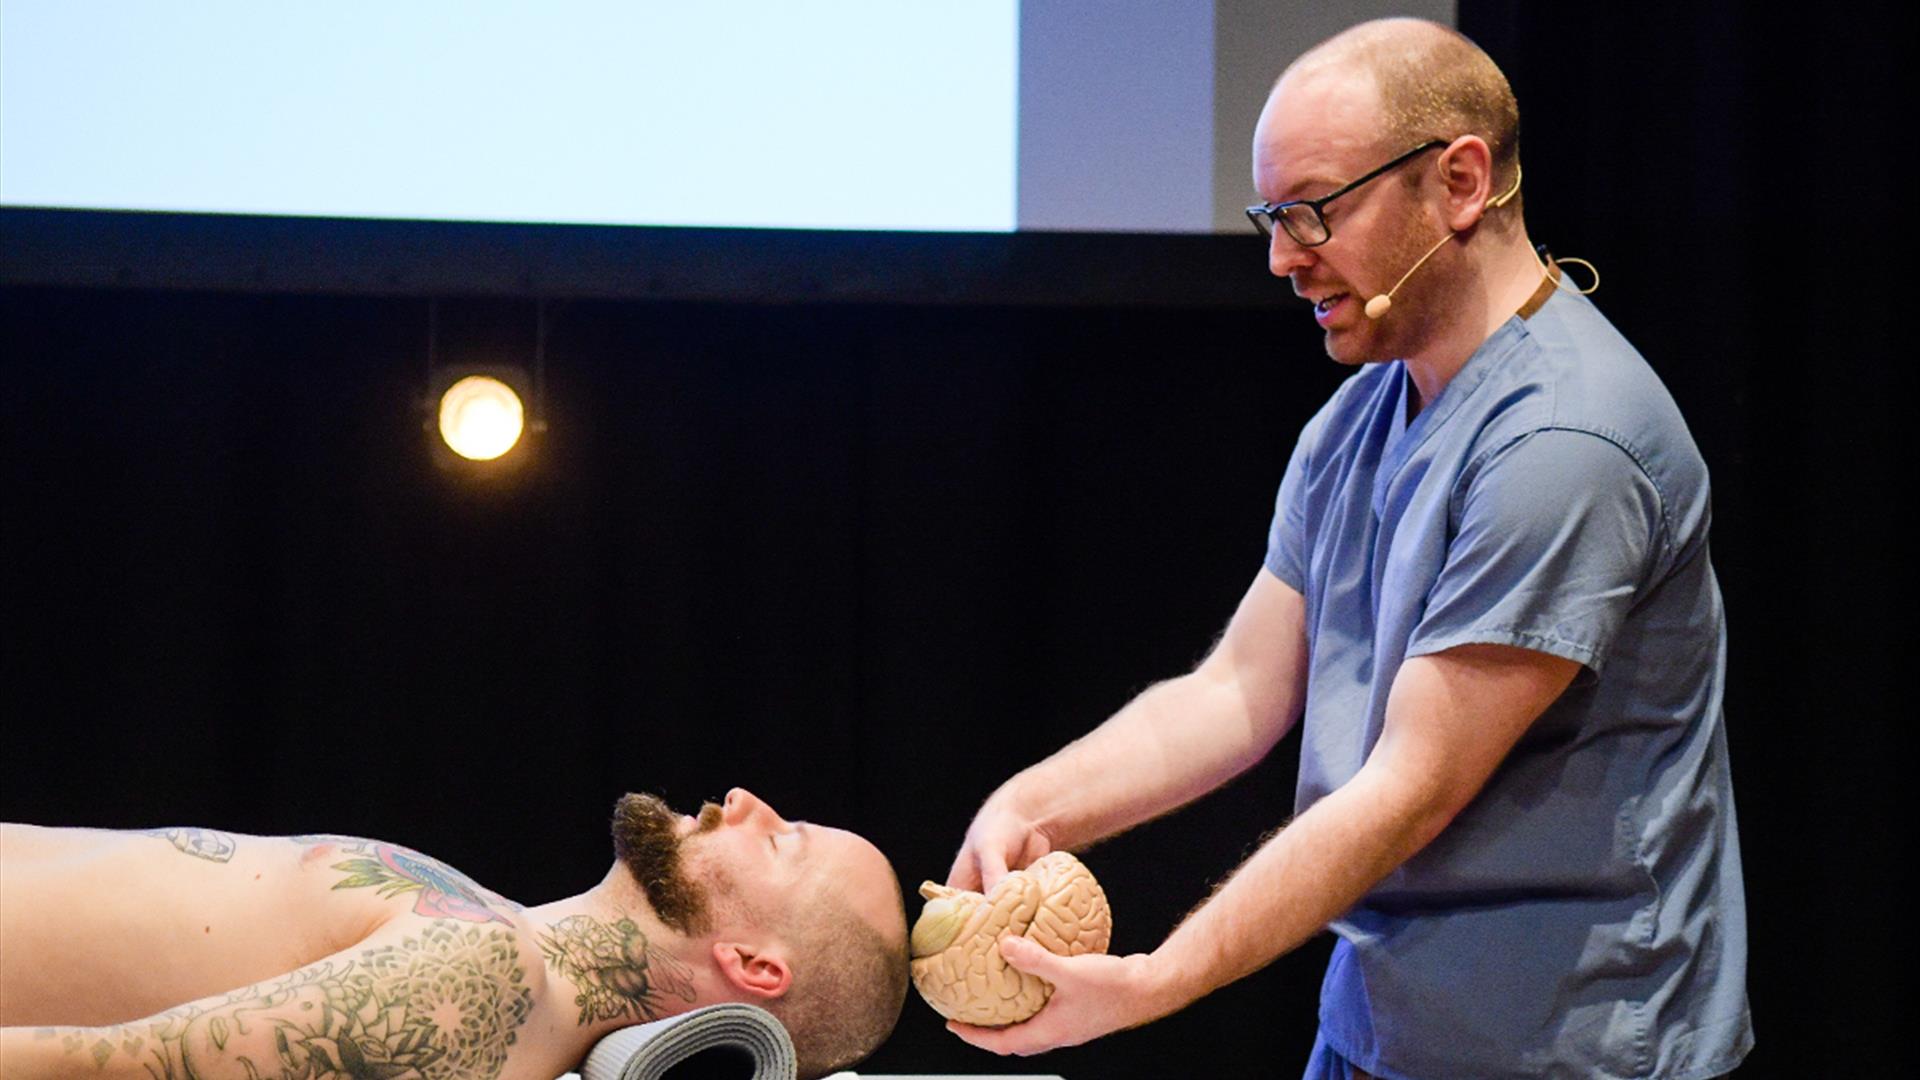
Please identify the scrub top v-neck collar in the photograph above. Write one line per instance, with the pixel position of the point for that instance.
(1406, 436)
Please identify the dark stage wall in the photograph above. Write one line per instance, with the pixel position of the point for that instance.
(868, 558)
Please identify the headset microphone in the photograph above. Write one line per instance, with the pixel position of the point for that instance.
(1380, 305)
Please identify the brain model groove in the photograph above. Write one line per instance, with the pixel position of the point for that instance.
(956, 942)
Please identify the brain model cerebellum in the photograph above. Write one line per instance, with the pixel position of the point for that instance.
(956, 942)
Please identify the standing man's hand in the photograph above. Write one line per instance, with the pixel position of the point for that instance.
(1000, 839)
(1093, 995)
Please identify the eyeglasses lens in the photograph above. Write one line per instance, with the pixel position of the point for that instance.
(1303, 224)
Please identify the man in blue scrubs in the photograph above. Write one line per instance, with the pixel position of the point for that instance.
(1487, 591)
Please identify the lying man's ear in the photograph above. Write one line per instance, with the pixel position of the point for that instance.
(756, 970)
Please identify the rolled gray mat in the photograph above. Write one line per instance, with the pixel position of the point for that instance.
(733, 1032)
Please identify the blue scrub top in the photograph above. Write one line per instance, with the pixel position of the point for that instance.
(1584, 916)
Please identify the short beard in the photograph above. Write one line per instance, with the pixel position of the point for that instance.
(645, 842)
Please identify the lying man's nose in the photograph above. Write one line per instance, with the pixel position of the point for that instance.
(743, 807)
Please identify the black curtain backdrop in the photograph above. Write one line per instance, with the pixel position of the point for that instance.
(868, 558)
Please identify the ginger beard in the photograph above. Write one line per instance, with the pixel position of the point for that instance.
(1353, 338)
(647, 841)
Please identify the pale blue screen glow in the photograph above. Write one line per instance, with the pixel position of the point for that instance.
(858, 114)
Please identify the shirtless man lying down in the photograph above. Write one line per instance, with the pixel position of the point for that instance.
(191, 954)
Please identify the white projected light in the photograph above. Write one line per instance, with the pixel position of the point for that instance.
(873, 114)
(481, 418)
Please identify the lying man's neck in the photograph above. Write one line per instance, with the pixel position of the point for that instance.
(626, 965)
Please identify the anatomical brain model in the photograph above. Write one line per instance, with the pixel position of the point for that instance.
(956, 942)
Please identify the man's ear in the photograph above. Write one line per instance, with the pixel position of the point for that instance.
(755, 970)
(1466, 168)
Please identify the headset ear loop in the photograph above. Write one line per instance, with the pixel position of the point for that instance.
(1551, 263)
(1511, 192)
(1546, 258)
(1591, 269)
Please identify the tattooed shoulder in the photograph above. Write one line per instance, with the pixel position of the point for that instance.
(311, 839)
(439, 890)
(209, 844)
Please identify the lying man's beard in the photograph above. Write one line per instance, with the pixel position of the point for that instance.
(643, 839)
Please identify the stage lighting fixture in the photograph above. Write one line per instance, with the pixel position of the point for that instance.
(483, 401)
(481, 417)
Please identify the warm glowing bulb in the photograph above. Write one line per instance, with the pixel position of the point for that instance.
(481, 418)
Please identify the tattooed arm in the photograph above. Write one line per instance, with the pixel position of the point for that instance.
(209, 844)
(419, 997)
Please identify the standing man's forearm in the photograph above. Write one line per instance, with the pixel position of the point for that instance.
(1174, 742)
(1451, 720)
(1171, 744)
(1301, 879)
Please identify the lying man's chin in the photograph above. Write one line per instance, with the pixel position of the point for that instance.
(647, 838)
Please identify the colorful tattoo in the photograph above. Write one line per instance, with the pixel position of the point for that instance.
(445, 1004)
(619, 975)
(207, 844)
(444, 891)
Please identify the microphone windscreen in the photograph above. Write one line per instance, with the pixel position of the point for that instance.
(1378, 306)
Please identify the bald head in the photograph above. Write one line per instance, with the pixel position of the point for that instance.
(1429, 82)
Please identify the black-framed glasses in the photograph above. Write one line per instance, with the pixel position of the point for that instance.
(1302, 218)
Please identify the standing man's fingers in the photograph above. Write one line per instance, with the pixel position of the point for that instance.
(965, 872)
(993, 867)
(1033, 959)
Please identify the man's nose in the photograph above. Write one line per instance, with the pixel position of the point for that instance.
(743, 807)
(1285, 255)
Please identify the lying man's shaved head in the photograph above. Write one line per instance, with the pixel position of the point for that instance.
(826, 902)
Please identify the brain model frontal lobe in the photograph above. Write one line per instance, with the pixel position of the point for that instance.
(956, 942)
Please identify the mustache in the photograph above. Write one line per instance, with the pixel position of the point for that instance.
(708, 818)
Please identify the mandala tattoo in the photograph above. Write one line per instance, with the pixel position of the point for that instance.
(619, 975)
(444, 891)
(208, 844)
(442, 1005)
